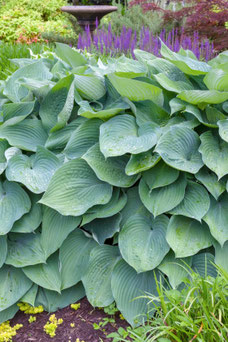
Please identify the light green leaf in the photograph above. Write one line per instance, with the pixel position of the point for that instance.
(141, 162)
(3, 249)
(110, 170)
(85, 136)
(46, 275)
(34, 172)
(187, 237)
(142, 242)
(105, 228)
(13, 285)
(69, 55)
(217, 79)
(176, 86)
(30, 221)
(74, 189)
(97, 280)
(136, 90)
(114, 206)
(179, 149)
(210, 181)
(74, 257)
(14, 203)
(14, 113)
(217, 218)
(161, 200)
(127, 285)
(121, 135)
(223, 129)
(24, 250)
(175, 269)
(214, 153)
(26, 135)
(188, 65)
(160, 175)
(195, 204)
(221, 255)
(53, 301)
(30, 296)
(89, 86)
(203, 96)
(61, 98)
(55, 229)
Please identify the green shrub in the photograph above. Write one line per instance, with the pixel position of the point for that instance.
(24, 20)
(198, 312)
(110, 172)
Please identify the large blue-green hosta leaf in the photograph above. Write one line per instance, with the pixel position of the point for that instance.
(187, 237)
(223, 129)
(3, 249)
(179, 149)
(210, 181)
(217, 218)
(141, 162)
(34, 172)
(74, 257)
(90, 87)
(74, 189)
(61, 98)
(110, 170)
(203, 263)
(161, 200)
(221, 255)
(217, 79)
(8, 313)
(214, 153)
(127, 285)
(69, 55)
(13, 285)
(30, 296)
(142, 242)
(14, 113)
(121, 135)
(14, 203)
(3, 161)
(97, 280)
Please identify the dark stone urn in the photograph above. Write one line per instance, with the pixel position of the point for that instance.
(89, 15)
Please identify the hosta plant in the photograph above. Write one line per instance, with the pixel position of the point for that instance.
(112, 175)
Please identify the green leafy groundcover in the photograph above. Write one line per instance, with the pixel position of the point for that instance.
(112, 174)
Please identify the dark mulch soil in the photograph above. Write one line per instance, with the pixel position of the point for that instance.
(83, 319)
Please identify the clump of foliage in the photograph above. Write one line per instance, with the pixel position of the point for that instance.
(7, 332)
(110, 172)
(51, 326)
(198, 312)
(24, 20)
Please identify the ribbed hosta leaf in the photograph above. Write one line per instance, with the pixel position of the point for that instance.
(110, 170)
(97, 280)
(3, 249)
(85, 136)
(30, 296)
(161, 200)
(203, 96)
(175, 269)
(223, 129)
(90, 87)
(176, 86)
(53, 301)
(187, 237)
(203, 263)
(142, 242)
(188, 65)
(24, 250)
(179, 149)
(14, 203)
(26, 135)
(141, 162)
(121, 135)
(46, 275)
(74, 189)
(8, 313)
(217, 218)
(55, 229)
(34, 172)
(210, 181)
(114, 206)
(160, 175)
(221, 255)
(214, 153)
(61, 98)
(13, 285)
(14, 113)
(105, 228)
(3, 161)
(74, 257)
(30, 221)
(217, 79)
(147, 111)
(69, 55)
(195, 204)
(136, 90)
(127, 285)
